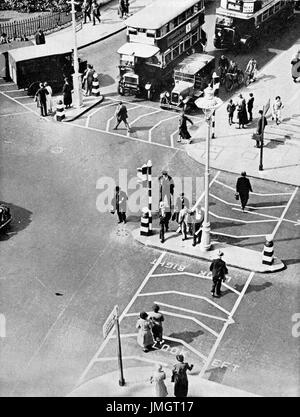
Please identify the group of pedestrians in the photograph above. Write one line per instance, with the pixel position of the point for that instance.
(244, 110)
(150, 329)
(123, 9)
(91, 11)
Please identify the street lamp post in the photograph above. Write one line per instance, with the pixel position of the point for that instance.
(209, 103)
(77, 96)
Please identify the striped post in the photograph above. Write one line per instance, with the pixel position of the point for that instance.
(268, 252)
(144, 230)
(213, 122)
(149, 165)
(95, 85)
(60, 111)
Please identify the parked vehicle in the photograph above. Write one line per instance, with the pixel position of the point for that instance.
(5, 216)
(191, 77)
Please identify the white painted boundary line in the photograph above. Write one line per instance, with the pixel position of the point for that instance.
(228, 203)
(284, 213)
(201, 297)
(183, 316)
(241, 221)
(16, 114)
(96, 111)
(115, 358)
(121, 318)
(114, 133)
(157, 124)
(221, 334)
(259, 194)
(24, 105)
(143, 115)
(180, 308)
(236, 236)
(196, 276)
(267, 215)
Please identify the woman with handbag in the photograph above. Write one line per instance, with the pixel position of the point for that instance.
(243, 187)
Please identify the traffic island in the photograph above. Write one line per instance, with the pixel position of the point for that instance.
(88, 102)
(138, 385)
(235, 256)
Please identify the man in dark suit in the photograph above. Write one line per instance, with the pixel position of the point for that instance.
(40, 37)
(243, 187)
(219, 270)
(250, 106)
(41, 97)
(122, 116)
(261, 124)
(119, 204)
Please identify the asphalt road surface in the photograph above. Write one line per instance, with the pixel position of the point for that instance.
(64, 264)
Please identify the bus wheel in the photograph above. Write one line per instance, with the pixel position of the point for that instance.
(228, 84)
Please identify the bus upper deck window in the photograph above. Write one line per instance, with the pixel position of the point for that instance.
(150, 33)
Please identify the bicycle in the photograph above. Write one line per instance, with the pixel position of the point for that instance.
(234, 79)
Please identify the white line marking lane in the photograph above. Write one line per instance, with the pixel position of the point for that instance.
(259, 194)
(102, 346)
(221, 334)
(284, 213)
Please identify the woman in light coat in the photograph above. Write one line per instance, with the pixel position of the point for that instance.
(157, 379)
(49, 96)
(144, 326)
(276, 110)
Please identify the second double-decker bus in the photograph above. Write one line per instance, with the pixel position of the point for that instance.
(240, 23)
(158, 37)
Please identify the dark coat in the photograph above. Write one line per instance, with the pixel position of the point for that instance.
(250, 103)
(40, 38)
(183, 132)
(242, 113)
(243, 186)
(230, 108)
(218, 268)
(179, 377)
(260, 125)
(122, 113)
(42, 94)
(67, 94)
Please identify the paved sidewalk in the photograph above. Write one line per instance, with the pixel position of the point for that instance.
(233, 149)
(233, 255)
(137, 385)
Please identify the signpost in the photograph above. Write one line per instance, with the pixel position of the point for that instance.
(265, 111)
(111, 321)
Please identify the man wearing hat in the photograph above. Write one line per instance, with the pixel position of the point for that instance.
(243, 187)
(219, 270)
(163, 221)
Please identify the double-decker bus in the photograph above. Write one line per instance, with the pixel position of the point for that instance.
(158, 37)
(241, 23)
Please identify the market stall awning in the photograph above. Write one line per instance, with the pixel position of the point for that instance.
(138, 49)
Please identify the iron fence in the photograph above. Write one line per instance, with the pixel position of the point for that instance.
(29, 27)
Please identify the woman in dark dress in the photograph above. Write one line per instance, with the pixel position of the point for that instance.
(183, 131)
(242, 112)
(67, 94)
(179, 377)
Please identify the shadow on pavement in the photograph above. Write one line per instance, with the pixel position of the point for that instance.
(255, 288)
(217, 374)
(186, 336)
(21, 218)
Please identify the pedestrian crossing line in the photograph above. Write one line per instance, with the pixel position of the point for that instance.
(115, 358)
(15, 114)
(238, 205)
(171, 339)
(194, 275)
(158, 124)
(221, 334)
(9, 91)
(258, 194)
(180, 308)
(284, 213)
(267, 215)
(23, 105)
(236, 236)
(143, 115)
(96, 111)
(183, 316)
(201, 297)
(127, 308)
(241, 221)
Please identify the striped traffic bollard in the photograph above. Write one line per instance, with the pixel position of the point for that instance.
(95, 85)
(149, 165)
(60, 111)
(268, 252)
(213, 123)
(144, 231)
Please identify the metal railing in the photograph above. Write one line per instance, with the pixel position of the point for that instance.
(29, 27)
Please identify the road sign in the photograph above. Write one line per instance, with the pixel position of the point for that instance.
(110, 322)
(266, 107)
(78, 26)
